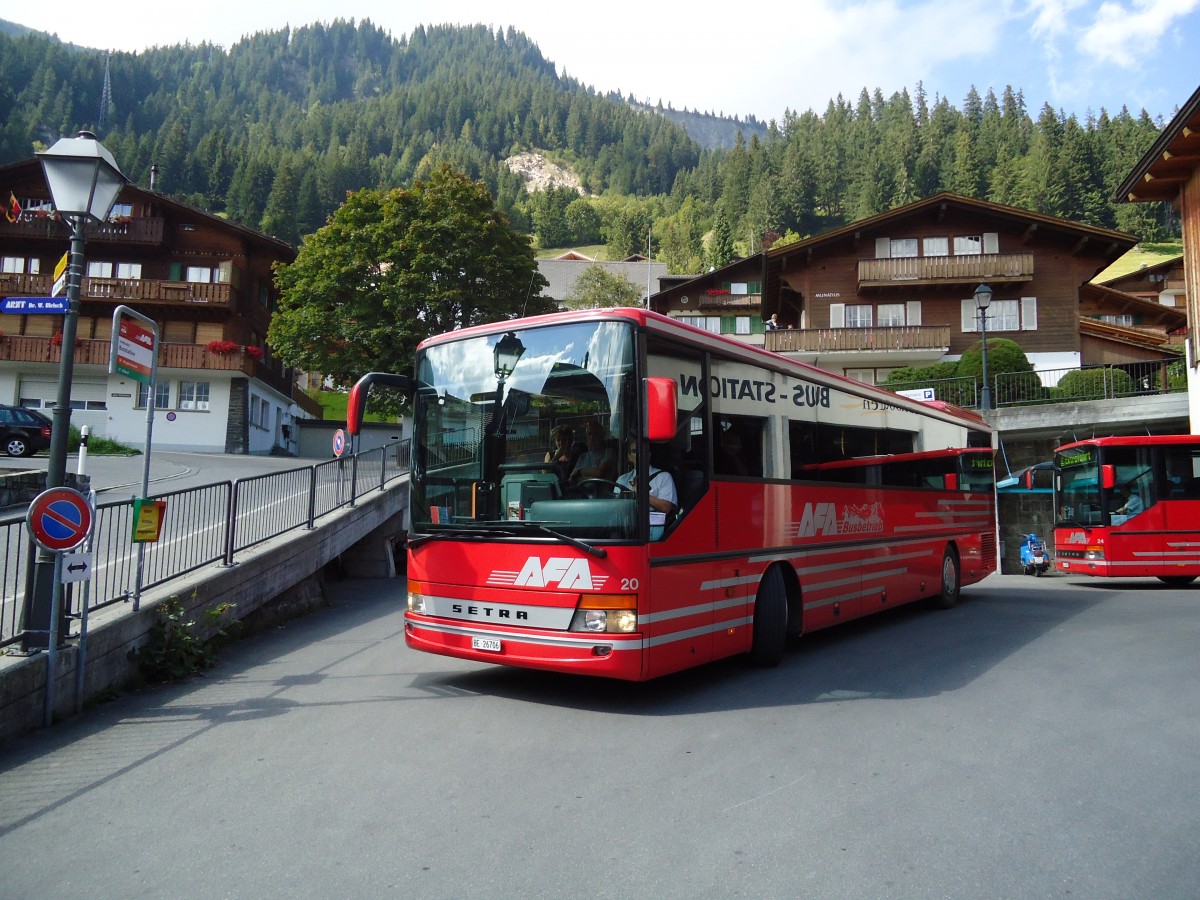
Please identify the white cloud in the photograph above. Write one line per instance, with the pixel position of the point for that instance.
(1124, 35)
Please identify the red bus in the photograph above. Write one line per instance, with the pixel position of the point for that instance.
(801, 499)
(1129, 506)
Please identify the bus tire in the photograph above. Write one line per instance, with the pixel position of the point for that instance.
(770, 620)
(1177, 580)
(947, 597)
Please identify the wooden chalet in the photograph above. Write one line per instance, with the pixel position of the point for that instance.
(1170, 172)
(206, 281)
(897, 289)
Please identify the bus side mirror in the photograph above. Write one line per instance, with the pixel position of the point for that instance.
(661, 409)
(951, 481)
(358, 395)
(1108, 477)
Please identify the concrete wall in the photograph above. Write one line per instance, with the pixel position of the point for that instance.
(284, 572)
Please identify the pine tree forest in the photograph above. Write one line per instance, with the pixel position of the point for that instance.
(276, 130)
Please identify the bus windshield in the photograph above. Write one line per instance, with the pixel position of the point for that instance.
(1079, 495)
(517, 432)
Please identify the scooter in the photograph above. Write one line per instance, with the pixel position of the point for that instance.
(1034, 558)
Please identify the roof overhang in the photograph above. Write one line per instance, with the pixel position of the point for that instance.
(1170, 161)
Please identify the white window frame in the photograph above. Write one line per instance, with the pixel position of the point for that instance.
(935, 246)
(99, 268)
(198, 275)
(968, 245)
(1003, 315)
(129, 270)
(903, 248)
(162, 395)
(194, 395)
(859, 315)
(741, 325)
(891, 315)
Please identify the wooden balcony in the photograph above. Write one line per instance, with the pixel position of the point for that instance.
(857, 340)
(995, 268)
(95, 352)
(142, 230)
(125, 290)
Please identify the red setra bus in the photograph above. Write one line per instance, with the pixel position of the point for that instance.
(1129, 506)
(705, 498)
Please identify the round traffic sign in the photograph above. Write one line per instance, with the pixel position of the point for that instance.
(59, 519)
(339, 442)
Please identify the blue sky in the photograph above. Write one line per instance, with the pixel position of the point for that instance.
(1077, 55)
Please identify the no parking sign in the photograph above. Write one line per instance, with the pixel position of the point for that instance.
(59, 519)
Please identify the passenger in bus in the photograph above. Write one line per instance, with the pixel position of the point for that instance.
(1133, 502)
(663, 497)
(597, 461)
(561, 451)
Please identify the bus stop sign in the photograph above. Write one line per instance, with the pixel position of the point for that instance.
(59, 519)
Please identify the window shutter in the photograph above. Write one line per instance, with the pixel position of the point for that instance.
(970, 315)
(176, 273)
(1029, 313)
(728, 324)
(757, 325)
(837, 315)
(912, 312)
(883, 248)
(991, 242)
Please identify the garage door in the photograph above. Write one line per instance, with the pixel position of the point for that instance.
(89, 404)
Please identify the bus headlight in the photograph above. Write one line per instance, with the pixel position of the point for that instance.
(1096, 553)
(606, 614)
(416, 600)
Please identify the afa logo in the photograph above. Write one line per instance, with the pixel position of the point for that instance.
(823, 518)
(557, 571)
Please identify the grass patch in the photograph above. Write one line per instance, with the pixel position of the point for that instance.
(99, 445)
(1141, 255)
(334, 403)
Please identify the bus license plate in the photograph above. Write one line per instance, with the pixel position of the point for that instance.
(490, 644)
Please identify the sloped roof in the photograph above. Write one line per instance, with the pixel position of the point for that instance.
(1117, 241)
(30, 171)
(1170, 161)
(1168, 318)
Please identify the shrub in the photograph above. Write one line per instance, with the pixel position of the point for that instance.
(1089, 384)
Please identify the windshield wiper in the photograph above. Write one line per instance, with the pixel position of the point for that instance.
(599, 552)
(510, 529)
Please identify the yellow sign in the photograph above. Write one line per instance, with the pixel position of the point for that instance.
(61, 267)
(148, 517)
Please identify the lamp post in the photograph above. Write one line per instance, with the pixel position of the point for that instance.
(983, 299)
(84, 182)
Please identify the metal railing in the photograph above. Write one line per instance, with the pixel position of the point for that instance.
(204, 525)
(1156, 376)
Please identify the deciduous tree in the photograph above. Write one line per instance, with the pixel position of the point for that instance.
(393, 267)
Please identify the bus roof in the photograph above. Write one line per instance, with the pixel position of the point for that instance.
(1137, 440)
(665, 325)
(897, 458)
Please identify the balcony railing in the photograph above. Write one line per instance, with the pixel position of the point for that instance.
(929, 270)
(832, 340)
(123, 290)
(95, 352)
(141, 230)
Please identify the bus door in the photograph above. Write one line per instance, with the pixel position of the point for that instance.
(1132, 500)
(679, 602)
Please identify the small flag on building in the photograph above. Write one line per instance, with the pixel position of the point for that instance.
(13, 212)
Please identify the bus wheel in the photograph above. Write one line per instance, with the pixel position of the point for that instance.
(770, 620)
(1176, 580)
(948, 596)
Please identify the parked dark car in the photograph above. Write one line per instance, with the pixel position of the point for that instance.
(23, 431)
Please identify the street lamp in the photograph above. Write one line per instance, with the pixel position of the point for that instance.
(84, 182)
(983, 299)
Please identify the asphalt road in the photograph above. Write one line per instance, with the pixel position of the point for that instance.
(1040, 740)
(119, 477)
